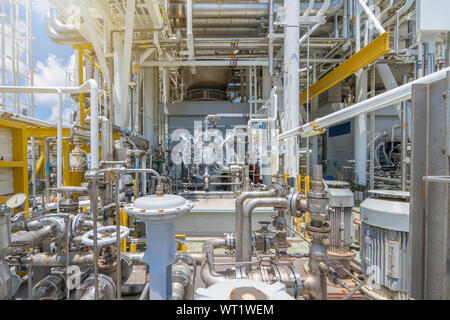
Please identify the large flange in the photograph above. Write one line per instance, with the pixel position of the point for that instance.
(154, 208)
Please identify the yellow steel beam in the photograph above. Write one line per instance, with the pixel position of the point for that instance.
(83, 47)
(80, 82)
(374, 50)
(46, 132)
(12, 164)
(91, 60)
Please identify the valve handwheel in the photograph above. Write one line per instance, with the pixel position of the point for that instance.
(105, 236)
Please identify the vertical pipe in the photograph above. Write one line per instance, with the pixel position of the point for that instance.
(420, 60)
(93, 208)
(345, 20)
(67, 222)
(291, 52)
(119, 269)
(360, 122)
(144, 175)
(94, 124)
(80, 83)
(33, 169)
(404, 144)
(271, 37)
(3, 51)
(59, 160)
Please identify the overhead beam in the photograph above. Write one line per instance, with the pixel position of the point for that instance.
(374, 50)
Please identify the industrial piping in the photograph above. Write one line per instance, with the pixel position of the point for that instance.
(378, 102)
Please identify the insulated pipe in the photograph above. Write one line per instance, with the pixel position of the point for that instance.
(247, 10)
(247, 221)
(402, 10)
(373, 104)
(26, 120)
(325, 6)
(239, 204)
(59, 26)
(292, 84)
(271, 36)
(308, 10)
(372, 17)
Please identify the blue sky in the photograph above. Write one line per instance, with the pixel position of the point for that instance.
(50, 62)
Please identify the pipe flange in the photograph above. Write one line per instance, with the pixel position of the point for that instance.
(230, 240)
(186, 258)
(341, 255)
(320, 230)
(240, 272)
(159, 208)
(105, 285)
(298, 289)
(277, 273)
(293, 200)
(317, 195)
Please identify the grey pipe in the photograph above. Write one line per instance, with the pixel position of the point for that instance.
(207, 273)
(247, 221)
(59, 259)
(30, 239)
(246, 10)
(238, 216)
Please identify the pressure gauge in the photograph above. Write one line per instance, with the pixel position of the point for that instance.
(16, 200)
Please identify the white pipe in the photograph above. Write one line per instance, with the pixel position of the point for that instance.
(30, 121)
(273, 102)
(399, 12)
(372, 17)
(325, 6)
(292, 94)
(125, 74)
(59, 173)
(314, 28)
(205, 63)
(90, 85)
(308, 10)
(373, 104)
(189, 34)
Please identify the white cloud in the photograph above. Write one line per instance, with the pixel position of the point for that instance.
(53, 73)
(41, 7)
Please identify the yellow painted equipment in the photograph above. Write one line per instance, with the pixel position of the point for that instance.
(19, 163)
(374, 50)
